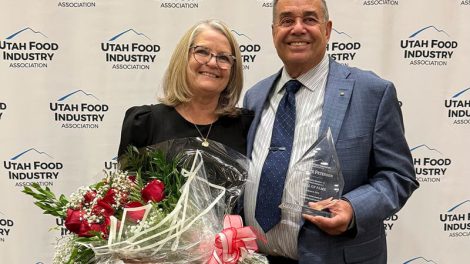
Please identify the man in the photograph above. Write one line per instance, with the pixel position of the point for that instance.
(365, 119)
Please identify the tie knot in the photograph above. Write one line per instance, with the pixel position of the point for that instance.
(292, 86)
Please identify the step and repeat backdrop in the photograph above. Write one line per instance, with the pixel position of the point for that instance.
(69, 70)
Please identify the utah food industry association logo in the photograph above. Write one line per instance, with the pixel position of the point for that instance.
(6, 225)
(28, 48)
(457, 107)
(249, 49)
(428, 46)
(32, 166)
(78, 109)
(130, 50)
(342, 47)
(111, 165)
(430, 164)
(456, 220)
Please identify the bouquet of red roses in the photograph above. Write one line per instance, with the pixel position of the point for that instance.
(89, 212)
(166, 204)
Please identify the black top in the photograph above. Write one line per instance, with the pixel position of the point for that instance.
(151, 124)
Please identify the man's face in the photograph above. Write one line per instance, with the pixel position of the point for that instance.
(300, 34)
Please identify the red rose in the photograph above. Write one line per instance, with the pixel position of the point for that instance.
(132, 178)
(109, 197)
(76, 223)
(85, 227)
(89, 230)
(153, 191)
(103, 208)
(105, 226)
(73, 220)
(135, 216)
(89, 196)
(124, 198)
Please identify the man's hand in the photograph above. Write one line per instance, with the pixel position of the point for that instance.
(341, 215)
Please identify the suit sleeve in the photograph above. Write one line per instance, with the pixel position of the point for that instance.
(135, 128)
(246, 99)
(391, 173)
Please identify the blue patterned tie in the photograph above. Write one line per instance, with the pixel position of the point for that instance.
(273, 175)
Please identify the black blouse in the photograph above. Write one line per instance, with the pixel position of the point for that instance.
(151, 124)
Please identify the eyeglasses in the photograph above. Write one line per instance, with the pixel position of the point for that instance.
(203, 55)
(289, 21)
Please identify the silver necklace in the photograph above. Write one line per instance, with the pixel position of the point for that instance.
(205, 143)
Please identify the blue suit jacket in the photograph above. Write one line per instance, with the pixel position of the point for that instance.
(363, 113)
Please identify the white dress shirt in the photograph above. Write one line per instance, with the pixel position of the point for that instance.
(282, 238)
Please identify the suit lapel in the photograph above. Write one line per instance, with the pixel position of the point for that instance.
(261, 95)
(261, 99)
(338, 93)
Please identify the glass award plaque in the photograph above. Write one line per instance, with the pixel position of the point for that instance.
(319, 173)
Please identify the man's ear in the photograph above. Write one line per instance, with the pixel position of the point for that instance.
(328, 26)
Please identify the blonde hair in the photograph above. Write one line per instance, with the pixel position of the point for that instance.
(175, 84)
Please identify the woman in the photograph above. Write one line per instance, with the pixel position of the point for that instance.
(202, 86)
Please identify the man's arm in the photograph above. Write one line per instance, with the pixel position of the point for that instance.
(391, 178)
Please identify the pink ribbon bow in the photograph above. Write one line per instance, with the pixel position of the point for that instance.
(234, 242)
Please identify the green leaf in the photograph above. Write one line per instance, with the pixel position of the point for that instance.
(46, 200)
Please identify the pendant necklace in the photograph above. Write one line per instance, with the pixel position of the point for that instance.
(205, 143)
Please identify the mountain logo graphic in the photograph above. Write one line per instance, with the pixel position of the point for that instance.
(453, 208)
(460, 93)
(424, 146)
(241, 34)
(130, 31)
(419, 260)
(341, 33)
(428, 28)
(63, 98)
(31, 150)
(25, 30)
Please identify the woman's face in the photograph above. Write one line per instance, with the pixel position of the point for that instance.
(208, 79)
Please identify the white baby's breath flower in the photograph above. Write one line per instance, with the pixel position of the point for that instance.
(63, 249)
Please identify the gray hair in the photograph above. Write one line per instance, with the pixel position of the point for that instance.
(323, 5)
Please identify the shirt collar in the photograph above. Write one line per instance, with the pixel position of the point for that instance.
(308, 79)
